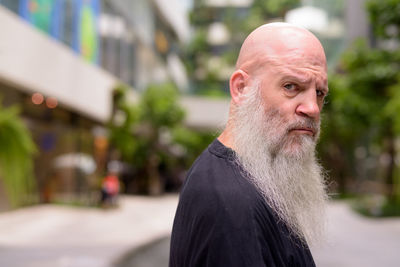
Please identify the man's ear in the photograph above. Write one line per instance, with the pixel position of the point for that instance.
(237, 85)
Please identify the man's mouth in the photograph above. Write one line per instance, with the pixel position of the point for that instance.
(304, 130)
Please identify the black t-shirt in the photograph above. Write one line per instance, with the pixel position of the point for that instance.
(223, 221)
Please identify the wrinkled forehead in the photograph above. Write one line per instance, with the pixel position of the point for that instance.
(301, 62)
(297, 62)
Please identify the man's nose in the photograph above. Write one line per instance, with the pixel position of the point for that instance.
(308, 105)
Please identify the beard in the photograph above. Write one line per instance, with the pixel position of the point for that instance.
(282, 165)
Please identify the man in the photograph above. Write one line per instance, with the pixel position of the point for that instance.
(255, 197)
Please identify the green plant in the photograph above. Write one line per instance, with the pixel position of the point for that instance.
(151, 136)
(16, 152)
(362, 112)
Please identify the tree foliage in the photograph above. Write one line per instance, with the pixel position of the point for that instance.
(16, 156)
(150, 135)
(365, 101)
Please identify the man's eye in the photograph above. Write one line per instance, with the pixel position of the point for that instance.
(290, 86)
(320, 93)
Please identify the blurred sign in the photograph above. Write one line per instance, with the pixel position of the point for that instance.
(45, 15)
(85, 29)
(49, 15)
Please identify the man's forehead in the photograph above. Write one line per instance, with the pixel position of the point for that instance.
(293, 66)
(296, 56)
(304, 72)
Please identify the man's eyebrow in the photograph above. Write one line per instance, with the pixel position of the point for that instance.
(296, 78)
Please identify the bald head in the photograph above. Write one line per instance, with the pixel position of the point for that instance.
(277, 42)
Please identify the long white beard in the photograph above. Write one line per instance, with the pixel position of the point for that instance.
(283, 167)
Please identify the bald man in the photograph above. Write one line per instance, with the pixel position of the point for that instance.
(255, 196)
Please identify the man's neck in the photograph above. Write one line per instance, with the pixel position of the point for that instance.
(226, 138)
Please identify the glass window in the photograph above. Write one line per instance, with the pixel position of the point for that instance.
(67, 32)
(12, 5)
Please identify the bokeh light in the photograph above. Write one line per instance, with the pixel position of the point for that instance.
(37, 98)
(51, 102)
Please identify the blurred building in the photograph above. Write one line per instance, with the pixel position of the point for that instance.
(218, 34)
(336, 23)
(61, 59)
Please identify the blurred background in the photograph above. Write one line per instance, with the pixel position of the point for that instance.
(104, 105)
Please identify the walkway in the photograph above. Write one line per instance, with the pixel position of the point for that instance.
(357, 241)
(60, 236)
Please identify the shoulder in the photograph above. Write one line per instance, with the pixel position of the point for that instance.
(216, 190)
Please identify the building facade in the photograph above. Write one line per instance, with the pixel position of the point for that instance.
(61, 59)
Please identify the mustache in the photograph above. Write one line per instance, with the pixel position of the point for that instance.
(300, 123)
(305, 123)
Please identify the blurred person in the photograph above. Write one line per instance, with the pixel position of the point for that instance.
(109, 190)
(256, 196)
